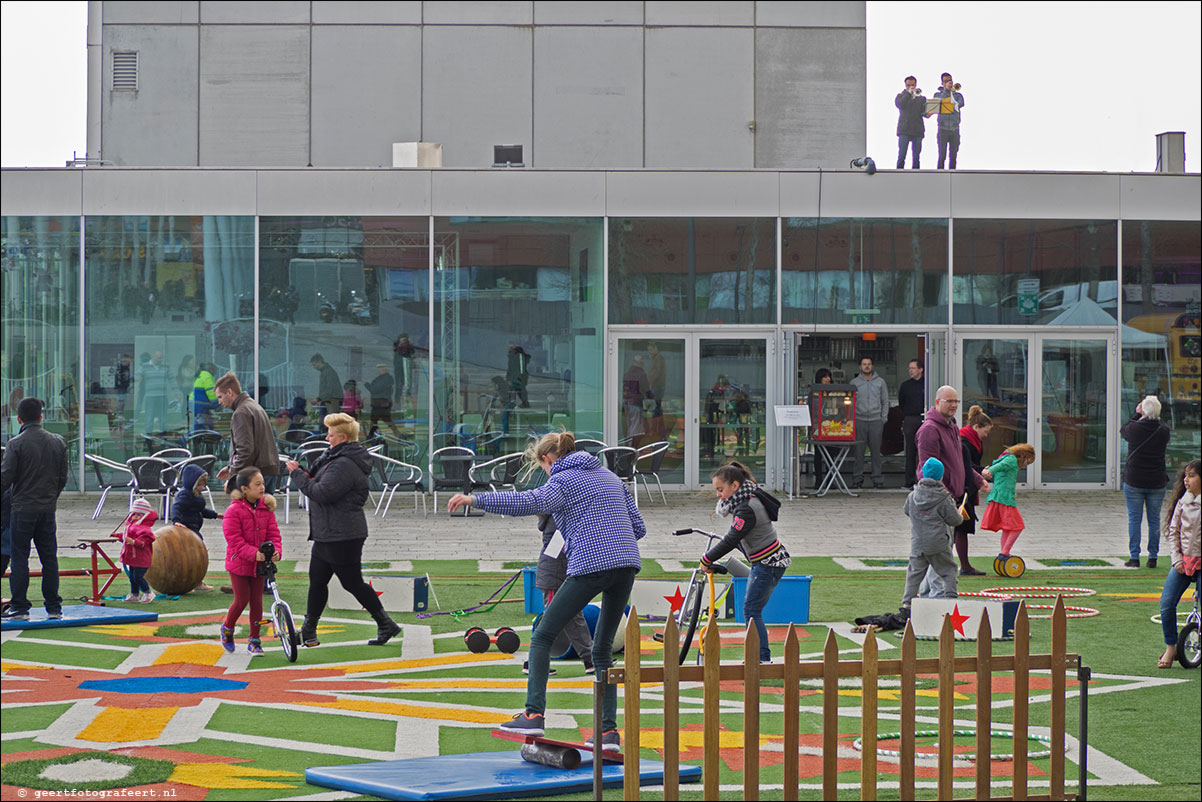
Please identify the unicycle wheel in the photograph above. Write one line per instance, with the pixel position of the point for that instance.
(1189, 647)
(1014, 567)
(998, 567)
(285, 630)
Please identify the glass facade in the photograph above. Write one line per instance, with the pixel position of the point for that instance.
(651, 400)
(39, 329)
(863, 271)
(692, 270)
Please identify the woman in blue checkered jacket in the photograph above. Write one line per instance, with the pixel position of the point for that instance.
(601, 526)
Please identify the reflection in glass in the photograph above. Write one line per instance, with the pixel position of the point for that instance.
(651, 400)
(170, 307)
(39, 332)
(995, 378)
(733, 391)
(1047, 272)
(692, 270)
(864, 271)
(1162, 338)
(1073, 434)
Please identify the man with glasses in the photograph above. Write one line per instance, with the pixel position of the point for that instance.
(939, 437)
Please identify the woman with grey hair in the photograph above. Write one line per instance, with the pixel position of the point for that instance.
(1144, 477)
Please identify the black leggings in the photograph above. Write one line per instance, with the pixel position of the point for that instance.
(341, 558)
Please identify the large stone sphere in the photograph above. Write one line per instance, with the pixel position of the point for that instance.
(180, 560)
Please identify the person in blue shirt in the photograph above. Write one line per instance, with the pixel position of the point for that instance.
(601, 527)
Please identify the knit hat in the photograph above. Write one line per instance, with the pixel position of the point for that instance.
(140, 506)
(932, 469)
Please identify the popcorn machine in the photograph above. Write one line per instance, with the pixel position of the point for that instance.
(833, 411)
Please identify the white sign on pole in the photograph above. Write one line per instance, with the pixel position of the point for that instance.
(792, 415)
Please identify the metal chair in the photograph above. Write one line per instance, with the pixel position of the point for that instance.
(174, 455)
(500, 473)
(149, 478)
(652, 455)
(283, 484)
(206, 441)
(406, 477)
(620, 460)
(454, 472)
(99, 463)
(293, 438)
(593, 447)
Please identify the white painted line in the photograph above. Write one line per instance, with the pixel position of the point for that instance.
(73, 645)
(490, 566)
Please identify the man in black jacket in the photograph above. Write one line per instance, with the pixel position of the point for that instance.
(911, 106)
(35, 469)
(912, 398)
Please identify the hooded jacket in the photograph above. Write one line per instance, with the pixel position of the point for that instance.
(931, 510)
(751, 530)
(246, 527)
(939, 438)
(872, 397)
(337, 490)
(189, 508)
(137, 550)
(591, 506)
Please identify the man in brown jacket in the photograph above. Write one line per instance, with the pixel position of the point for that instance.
(252, 438)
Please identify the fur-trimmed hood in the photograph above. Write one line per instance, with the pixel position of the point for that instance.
(267, 499)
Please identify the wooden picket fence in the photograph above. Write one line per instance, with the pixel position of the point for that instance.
(985, 664)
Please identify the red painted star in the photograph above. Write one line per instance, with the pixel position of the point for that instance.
(676, 600)
(958, 620)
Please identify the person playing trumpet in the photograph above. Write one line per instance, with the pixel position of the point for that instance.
(911, 127)
(949, 120)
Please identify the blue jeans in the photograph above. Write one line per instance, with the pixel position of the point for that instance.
(34, 529)
(1139, 498)
(614, 586)
(137, 579)
(1174, 586)
(912, 142)
(760, 585)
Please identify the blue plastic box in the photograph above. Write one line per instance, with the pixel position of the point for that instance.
(534, 597)
(790, 602)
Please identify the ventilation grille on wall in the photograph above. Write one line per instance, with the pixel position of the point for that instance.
(125, 71)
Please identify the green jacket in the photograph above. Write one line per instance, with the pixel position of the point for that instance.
(1005, 476)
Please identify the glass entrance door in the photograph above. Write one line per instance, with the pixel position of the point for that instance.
(733, 395)
(650, 399)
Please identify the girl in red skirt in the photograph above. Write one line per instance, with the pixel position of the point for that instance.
(1001, 514)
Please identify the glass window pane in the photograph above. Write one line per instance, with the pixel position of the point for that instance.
(692, 270)
(39, 329)
(651, 400)
(170, 306)
(1028, 272)
(995, 379)
(863, 271)
(344, 326)
(733, 389)
(518, 336)
(1162, 309)
(1074, 411)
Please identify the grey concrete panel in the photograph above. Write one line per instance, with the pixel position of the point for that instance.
(1160, 197)
(913, 193)
(366, 93)
(477, 91)
(254, 95)
(835, 14)
(41, 192)
(588, 97)
(701, 12)
(344, 192)
(572, 12)
(141, 192)
(506, 192)
(142, 13)
(339, 12)
(270, 12)
(699, 98)
(157, 125)
(810, 98)
(799, 193)
(1062, 196)
(479, 12)
(686, 194)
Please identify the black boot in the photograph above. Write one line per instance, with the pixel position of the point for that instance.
(386, 628)
(308, 633)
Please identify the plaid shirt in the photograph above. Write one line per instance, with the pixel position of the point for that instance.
(592, 508)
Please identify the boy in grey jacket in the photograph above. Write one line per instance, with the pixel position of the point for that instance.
(931, 510)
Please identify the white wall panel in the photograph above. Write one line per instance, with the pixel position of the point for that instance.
(841, 14)
(149, 192)
(344, 192)
(588, 97)
(27, 193)
(141, 13)
(271, 12)
(573, 12)
(700, 12)
(381, 12)
(1160, 197)
(902, 194)
(518, 193)
(689, 194)
(1064, 196)
(478, 12)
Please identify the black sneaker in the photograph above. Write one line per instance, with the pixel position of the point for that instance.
(1132, 563)
(58, 614)
(526, 669)
(15, 615)
(589, 669)
(611, 741)
(1151, 562)
(526, 724)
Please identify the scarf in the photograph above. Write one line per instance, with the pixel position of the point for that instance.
(740, 496)
(970, 434)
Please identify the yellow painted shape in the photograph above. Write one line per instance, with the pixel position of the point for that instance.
(695, 739)
(895, 696)
(423, 662)
(413, 711)
(489, 684)
(122, 630)
(9, 666)
(199, 654)
(226, 775)
(119, 724)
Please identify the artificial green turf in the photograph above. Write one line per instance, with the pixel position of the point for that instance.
(20, 649)
(37, 717)
(143, 771)
(352, 731)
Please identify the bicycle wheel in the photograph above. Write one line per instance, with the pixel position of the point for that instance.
(690, 612)
(285, 630)
(1189, 650)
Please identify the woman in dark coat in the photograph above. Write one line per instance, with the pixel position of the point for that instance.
(1144, 479)
(337, 489)
(972, 443)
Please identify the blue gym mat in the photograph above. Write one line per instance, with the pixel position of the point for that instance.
(478, 775)
(80, 615)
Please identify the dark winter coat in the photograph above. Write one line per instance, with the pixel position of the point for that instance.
(189, 508)
(34, 469)
(911, 109)
(1147, 440)
(137, 549)
(337, 489)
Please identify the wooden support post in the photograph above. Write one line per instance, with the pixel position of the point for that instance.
(792, 718)
(909, 682)
(984, 703)
(868, 722)
(947, 701)
(751, 713)
(632, 660)
(830, 718)
(1059, 633)
(671, 710)
(1022, 686)
(710, 678)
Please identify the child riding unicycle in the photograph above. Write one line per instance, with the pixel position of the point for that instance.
(1001, 514)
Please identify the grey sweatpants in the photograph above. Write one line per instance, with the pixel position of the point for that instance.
(943, 563)
(870, 431)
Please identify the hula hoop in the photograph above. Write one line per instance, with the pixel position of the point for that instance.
(1040, 592)
(1077, 612)
(901, 633)
(858, 745)
(1155, 619)
(984, 594)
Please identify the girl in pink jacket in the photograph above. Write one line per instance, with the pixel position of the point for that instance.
(137, 549)
(248, 523)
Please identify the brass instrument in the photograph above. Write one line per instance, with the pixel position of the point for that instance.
(956, 87)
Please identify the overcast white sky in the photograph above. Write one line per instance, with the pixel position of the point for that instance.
(1047, 86)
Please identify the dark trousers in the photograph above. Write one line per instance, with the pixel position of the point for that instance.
(914, 143)
(137, 579)
(949, 145)
(342, 559)
(34, 529)
(910, 425)
(248, 590)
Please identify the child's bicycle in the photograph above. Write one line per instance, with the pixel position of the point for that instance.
(1189, 647)
(689, 614)
(281, 613)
